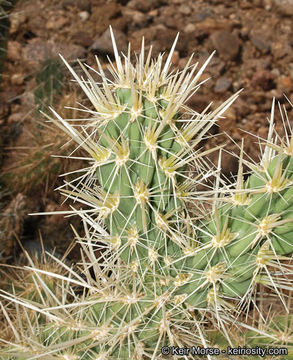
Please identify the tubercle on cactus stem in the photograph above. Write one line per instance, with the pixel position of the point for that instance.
(161, 275)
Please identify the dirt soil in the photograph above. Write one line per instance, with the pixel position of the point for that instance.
(253, 43)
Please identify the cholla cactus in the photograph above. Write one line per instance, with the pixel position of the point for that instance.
(168, 262)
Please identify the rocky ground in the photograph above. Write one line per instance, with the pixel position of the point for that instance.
(253, 43)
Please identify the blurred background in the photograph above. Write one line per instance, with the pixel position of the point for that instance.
(253, 40)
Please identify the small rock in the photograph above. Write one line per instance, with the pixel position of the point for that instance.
(104, 15)
(17, 79)
(210, 25)
(185, 9)
(139, 19)
(67, 3)
(169, 17)
(37, 51)
(259, 96)
(28, 99)
(135, 37)
(261, 63)
(228, 121)
(154, 13)
(274, 93)
(197, 102)
(84, 5)
(263, 79)
(216, 66)
(56, 24)
(166, 38)
(285, 7)
(276, 72)
(260, 43)
(14, 50)
(280, 49)
(287, 83)
(189, 28)
(81, 4)
(242, 108)
(263, 131)
(238, 84)
(82, 38)
(121, 23)
(244, 4)
(198, 17)
(69, 51)
(208, 82)
(227, 44)
(244, 32)
(182, 63)
(16, 20)
(103, 44)
(175, 58)
(258, 3)
(169, 21)
(15, 117)
(222, 84)
(268, 5)
(36, 27)
(234, 17)
(84, 15)
(15, 107)
(140, 5)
